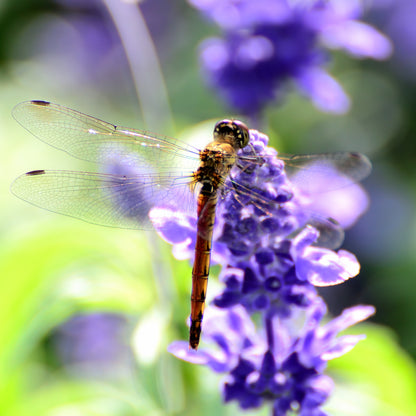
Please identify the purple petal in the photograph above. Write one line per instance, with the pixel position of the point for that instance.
(236, 320)
(350, 317)
(232, 15)
(333, 13)
(342, 9)
(318, 390)
(181, 350)
(321, 344)
(323, 267)
(359, 39)
(324, 91)
(304, 239)
(217, 360)
(316, 312)
(343, 345)
(214, 54)
(282, 340)
(175, 228)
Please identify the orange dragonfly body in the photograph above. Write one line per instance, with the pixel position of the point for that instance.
(217, 160)
(143, 171)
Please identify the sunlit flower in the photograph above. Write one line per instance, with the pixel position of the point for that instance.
(268, 243)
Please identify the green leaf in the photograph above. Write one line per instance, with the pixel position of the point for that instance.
(376, 378)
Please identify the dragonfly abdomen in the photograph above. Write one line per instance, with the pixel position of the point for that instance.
(207, 202)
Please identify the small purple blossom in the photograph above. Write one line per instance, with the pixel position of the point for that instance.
(267, 43)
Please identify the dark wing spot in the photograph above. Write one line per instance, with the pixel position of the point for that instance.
(35, 172)
(40, 102)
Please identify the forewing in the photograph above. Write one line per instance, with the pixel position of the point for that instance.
(323, 172)
(91, 139)
(105, 199)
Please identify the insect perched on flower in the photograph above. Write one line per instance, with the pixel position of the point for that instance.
(152, 182)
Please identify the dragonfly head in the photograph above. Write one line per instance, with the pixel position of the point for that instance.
(235, 130)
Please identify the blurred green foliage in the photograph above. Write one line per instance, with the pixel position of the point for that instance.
(53, 268)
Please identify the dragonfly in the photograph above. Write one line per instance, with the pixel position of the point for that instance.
(142, 171)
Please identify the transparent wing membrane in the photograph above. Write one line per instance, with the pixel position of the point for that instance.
(94, 140)
(332, 170)
(104, 199)
(336, 170)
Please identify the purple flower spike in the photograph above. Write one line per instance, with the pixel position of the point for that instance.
(267, 241)
(267, 43)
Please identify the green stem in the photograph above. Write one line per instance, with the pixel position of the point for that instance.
(144, 64)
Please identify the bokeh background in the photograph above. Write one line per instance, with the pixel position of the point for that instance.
(86, 312)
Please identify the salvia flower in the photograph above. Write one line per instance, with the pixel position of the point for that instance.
(268, 244)
(266, 43)
(279, 365)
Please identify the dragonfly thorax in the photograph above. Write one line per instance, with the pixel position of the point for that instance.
(217, 159)
(220, 155)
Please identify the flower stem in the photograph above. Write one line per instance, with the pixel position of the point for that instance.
(143, 62)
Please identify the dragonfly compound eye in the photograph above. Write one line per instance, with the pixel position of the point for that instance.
(241, 133)
(235, 127)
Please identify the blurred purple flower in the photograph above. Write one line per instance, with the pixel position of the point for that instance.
(78, 41)
(267, 43)
(99, 43)
(280, 366)
(396, 19)
(93, 344)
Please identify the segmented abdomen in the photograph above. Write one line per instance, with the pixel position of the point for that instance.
(207, 203)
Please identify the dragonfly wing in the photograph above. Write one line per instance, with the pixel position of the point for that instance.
(312, 174)
(331, 234)
(323, 172)
(105, 199)
(94, 140)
